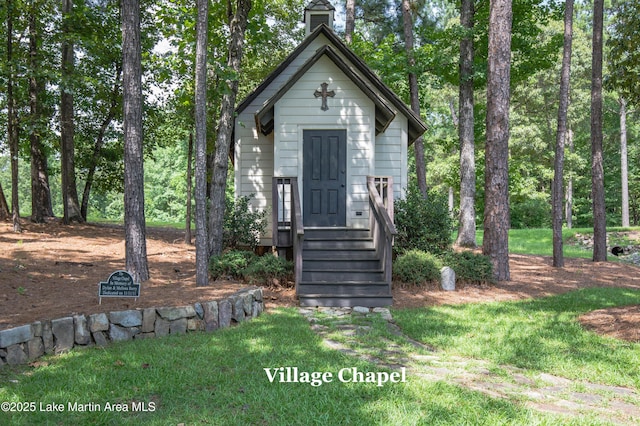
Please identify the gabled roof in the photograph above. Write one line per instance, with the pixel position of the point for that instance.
(384, 113)
(416, 126)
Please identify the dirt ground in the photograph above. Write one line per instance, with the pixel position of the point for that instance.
(49, 271)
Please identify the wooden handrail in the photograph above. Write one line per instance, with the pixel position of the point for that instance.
(298, 227)
(378, 205)
(294, 226)
(381, 223)
(296, 211)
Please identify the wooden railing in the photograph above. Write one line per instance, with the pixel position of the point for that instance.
(288, 230)
(381, 220)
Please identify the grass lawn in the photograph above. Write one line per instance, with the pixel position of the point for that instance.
(218, 378)
(541, 335)
(540, 241)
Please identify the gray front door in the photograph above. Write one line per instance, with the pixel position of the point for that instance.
(324, 177)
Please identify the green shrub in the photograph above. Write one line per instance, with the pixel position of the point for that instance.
(265, 270)
(422, 223)
(242, 227)
(417, 267)
(470, 266)
(530, 213)
(230, 264)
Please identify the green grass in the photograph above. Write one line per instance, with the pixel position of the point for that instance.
(542, 335)
(150, 224)
(218, 378)
(540, 241)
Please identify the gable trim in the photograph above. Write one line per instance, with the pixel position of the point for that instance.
(416, 125)
(384, 115)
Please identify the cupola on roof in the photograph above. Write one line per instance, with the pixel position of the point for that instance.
(320, 5)
(316, 13)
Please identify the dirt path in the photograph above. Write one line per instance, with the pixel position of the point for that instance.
(541, 391)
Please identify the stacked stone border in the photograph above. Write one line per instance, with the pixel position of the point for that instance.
(23, 344)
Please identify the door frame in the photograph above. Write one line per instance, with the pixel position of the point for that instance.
(342, 132)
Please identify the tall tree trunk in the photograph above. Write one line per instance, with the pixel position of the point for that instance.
(624, 167)
(202, 234)
(597, 172)
(40, 193)
(67, 128)
(558, 177)
(223, 141)
(97, 146)
(496, 210)
(467, 226)
(350, 21)
(134, 220)
(418, 145)
(187, 230)
(568, 207)
(4, 207)
(12, 123)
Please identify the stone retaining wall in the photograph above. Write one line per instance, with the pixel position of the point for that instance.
(23, 344)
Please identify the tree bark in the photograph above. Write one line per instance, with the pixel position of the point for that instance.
(418, 144)
(40, 192)
(187, 230)
(97, 146)
(597, 172)
(467, 226)
(624, 166)
(223, 141)
(496, 211)
(350, 21)
(12, 123)
(202, 235)
(134, 220)
(4, 207)
(67, 128)
(568, 207)
(558, 177)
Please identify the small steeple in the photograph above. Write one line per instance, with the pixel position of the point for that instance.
(316, 13)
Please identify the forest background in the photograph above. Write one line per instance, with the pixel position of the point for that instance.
(92, 27)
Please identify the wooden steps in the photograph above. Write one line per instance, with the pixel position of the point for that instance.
(341, 267)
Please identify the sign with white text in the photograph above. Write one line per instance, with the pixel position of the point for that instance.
(119, 284)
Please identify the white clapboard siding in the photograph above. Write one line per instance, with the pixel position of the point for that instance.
(391, 155)
(258, 157)
(349, 109)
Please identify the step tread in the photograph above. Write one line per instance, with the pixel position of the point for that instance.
(343, 270)
(365, 300)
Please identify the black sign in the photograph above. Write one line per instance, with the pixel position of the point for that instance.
(119, 284)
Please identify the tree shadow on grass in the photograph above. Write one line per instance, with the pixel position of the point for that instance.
(219, 378)
(540, 334)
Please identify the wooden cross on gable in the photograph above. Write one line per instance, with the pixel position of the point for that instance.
(324, 93)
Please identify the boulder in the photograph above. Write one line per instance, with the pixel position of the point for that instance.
(148, 320)
(82, 333)
(130, 318)
(15, 335)
(162, 327)
(120, 334)
(210, 310)
(16, 355)
(98, 322)
(172, 314)
(224, 313)
(64, 334)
